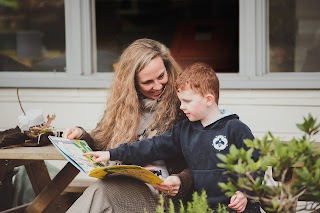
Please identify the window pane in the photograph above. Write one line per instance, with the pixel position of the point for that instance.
(194, 31)
(294, 27)
(32, 36)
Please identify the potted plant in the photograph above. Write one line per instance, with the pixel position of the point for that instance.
(295, 165)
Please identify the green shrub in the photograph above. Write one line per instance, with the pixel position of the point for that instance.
(199, 204)
(295, 164)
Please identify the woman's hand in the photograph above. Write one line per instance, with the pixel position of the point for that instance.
(99, 156)
(73, 133)
(169, 186)
(238, 202)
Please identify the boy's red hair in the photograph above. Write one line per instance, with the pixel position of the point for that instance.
(201, 78)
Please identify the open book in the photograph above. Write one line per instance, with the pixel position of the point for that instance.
(73, 151)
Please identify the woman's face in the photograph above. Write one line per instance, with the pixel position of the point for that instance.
(152, 79)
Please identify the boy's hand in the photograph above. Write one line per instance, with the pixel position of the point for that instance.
(238, 202)
(99, 156)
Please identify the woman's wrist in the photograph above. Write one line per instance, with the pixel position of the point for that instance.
(186, 182)
(83, 132)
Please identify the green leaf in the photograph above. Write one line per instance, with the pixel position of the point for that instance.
(222, 157)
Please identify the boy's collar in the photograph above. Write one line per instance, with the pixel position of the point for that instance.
(224, 113)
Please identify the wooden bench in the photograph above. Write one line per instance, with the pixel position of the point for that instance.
(78, 185)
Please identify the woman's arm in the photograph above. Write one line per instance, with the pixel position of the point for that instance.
(186, 182)
(177, 184)
(87, 137)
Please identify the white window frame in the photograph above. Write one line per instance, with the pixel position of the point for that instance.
(81, 56)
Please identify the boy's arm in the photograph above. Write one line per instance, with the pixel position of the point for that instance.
(247, 134)
(255, 155)
(160, 147)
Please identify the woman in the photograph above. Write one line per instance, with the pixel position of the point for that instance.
(142, 103)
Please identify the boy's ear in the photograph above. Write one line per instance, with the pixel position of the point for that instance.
(210, 99)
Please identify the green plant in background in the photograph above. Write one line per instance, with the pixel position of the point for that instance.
(199, 204)
(9, 4)
(295, 165)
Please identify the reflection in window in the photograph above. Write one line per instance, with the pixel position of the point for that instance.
(206, 31)
(294, 35)
(32, 36)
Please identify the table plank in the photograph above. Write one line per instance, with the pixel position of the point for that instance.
(54, 189)
(38, 175)
(33, 159)
(48, 152)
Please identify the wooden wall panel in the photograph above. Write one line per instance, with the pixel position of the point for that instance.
(263, 110)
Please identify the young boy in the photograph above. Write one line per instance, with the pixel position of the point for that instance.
(206, 132)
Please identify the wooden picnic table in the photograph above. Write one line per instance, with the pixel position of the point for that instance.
(46, 190)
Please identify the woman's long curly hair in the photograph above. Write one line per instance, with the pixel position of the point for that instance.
(121, 119)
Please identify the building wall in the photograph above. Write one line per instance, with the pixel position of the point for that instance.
(263, 110)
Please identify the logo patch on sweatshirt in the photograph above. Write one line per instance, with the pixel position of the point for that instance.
(220, 142)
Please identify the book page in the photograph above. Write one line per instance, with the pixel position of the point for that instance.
(73, 150)
(134, 171)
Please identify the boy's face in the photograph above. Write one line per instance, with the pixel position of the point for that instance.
(193, 104)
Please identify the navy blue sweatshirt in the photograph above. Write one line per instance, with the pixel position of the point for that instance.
(199, 145)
